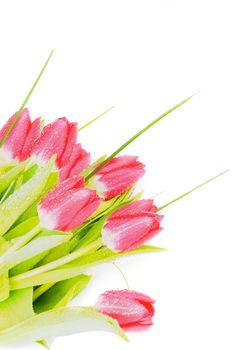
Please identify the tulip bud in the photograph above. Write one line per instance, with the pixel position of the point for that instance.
(78, 161)
(132, 225)
(117, 176)
(132, 310)
(20, 141)
(57, 138)
(68, 205)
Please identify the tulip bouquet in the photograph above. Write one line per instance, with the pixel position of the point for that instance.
(60, 214)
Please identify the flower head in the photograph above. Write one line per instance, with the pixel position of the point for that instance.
(68, 205)
(132, 310)
(117, 176)
(78, 161)
(132, 225)
(57, 138)
(20, 141)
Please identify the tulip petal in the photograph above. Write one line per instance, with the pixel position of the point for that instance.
(51, 141)
(31, 137)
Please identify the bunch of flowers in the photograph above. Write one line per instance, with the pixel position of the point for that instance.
(60, 214)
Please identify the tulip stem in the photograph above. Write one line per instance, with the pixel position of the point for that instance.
(26, 100)
(122, 274)
(62, 261)
(96, 118)
(136, 136)
(192, 190)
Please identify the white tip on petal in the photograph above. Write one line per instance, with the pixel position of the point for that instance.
(98, 186)
(5, 156)
(109, 239)
(47, 219)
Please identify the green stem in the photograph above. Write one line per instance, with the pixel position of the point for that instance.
(26, 100)
(190, 191)
(136, 136)
(61, 261)
(94, 119)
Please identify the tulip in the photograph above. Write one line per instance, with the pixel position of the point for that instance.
(117, 176)
(20, 141)
(78, 161)
(132, 310)
(132, 225)
(68, 205)
(56, 138)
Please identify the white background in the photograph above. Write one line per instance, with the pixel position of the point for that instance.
(143, 57)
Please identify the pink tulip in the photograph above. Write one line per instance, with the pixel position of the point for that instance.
(20, 141)
(132, 310)
(131, 226)
(57, 138)
(117, 176)
(68, 205)
(78, 161)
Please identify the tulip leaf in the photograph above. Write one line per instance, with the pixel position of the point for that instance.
(16, 308)
(43, 343)
(74, 268)
(22, 228)
(61, 293)
(33, 248)
(60, 322)
(28, 264)
(20, 200)
(10, 176)
(56, 253)
(4, 283)
(32, 210)
(4, 245)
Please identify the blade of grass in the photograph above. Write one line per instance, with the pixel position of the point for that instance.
(26, 99)
(136, 136)
(96, 118)
(192, 190)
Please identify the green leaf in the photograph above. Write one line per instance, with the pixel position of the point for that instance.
(61, 293)
(28, 264)
(22, 228)
(20, 200)
(32, 210)
(33, 248)
(60, 322)
(4, 283)
(4, 245)
(10, 176)
(75, 268)
(56, 253)
(17, 308)
(44, 344)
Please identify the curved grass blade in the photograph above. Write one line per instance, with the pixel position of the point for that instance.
(192, 190)
(26, 99)
(96, 118)
(136, 136)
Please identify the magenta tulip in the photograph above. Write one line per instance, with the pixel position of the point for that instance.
(78, 161)
(132, 225)
(117, 176)
(132, 310)
(68, 205)
(20, 141)
(56, 138)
